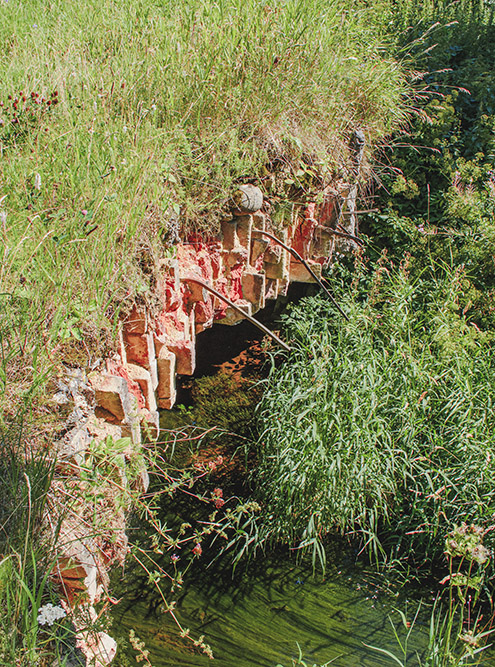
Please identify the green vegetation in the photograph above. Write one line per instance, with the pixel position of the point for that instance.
(33, 629)
(456, 636)
(124, 126)
(438, 199)
(381, 426)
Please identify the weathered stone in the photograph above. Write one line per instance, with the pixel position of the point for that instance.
(112, 395)
(100, 429)
(195, 291)
(143, 378)
(253, 289)
(244, 226)
(137, 347)
(232, 316)
(166, 391)
(248, 198)
(258, 248)
(185, 354)
(152, 365)
(259, 220)
(74, 445)
(131, 428)
(98, 647)
(271, 288)
(300, 274)
(279, 271)
(229, 234)
(203, 314)
(77, 569)
(137, 321)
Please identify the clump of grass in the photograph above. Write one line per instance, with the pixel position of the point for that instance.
(380, 427)
(31, 632)
(458, 633)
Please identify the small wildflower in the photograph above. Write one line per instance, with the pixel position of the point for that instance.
(174, 558)
(218, 493)
(48, 614)
(197, 550)
(219, 503)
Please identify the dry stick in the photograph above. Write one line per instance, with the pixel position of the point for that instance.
(345, 234)
(297, 256)
(239, 310)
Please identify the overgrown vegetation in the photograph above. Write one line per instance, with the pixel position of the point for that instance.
(438, 191)
(381, 425)
(124, 127)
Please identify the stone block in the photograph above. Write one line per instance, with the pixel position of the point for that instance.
(121, 348)
(324, 243)
(185, 354)
(167, 403)
(138, 347)
(75, 445)
(271, 288)
(152, 365)
(143, 378)
(300, 274)
(232, 316)
(253, 289)
(259, 220)
(77, 569)
(244, 226)
(229, 234)
(195, 292)
(99, 429)
(203, 314)
(131, 428)
(258, 248)
(166, 376)
(278, 271)
(137, 321)
(111, 395)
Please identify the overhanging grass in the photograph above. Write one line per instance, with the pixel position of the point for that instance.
(161, 107)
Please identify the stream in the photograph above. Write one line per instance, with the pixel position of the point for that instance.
(258, 616)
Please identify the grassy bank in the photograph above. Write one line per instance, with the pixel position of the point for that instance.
(123, 125)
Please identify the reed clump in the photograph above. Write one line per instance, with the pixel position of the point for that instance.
(381, 427)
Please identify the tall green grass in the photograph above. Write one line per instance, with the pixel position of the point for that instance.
(381, 427)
